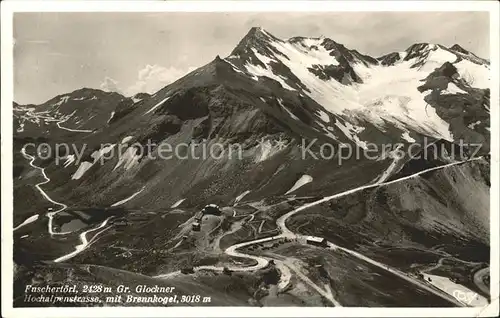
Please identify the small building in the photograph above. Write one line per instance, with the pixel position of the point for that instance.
(198, 216)
(317, 241)
(196, 226)
(120, 223)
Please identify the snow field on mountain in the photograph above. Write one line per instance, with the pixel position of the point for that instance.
(435, 58)
(128, 198)
(238, 198)
(406, 136)
(86, 165)
(453, 89)
(305, 179)
(475, 75)
(324, 116)
(69, 160)
(157, 105)
(126, 139)
(267, 150)
(387, 94)
(111, 116)
(29, 220)
(176, 204)
(474, 124)
(63, 100)
(351, 132)
(258, 70)
(390, 92)
(330, 94)
(128, 159)
(328, 130)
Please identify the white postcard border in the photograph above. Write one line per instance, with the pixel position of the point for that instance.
(8, 8)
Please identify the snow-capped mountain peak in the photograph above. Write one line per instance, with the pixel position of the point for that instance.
(320, 83)
(357, 87)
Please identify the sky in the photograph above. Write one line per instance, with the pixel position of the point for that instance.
(56, 53)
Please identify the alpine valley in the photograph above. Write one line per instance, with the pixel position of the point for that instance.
(291, 227)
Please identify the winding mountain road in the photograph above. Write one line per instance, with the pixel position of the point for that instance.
(288, 234)
(69, 129)
(83, 236)
(262, 262)
(84, 242)
(62, 206)
(478, 280)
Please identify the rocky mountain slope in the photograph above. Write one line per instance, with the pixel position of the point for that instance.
(270, 88)
(284, 103)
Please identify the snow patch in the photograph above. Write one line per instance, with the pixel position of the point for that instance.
(233, 66)
(29, 220)
(475, 75)
(436, 58)
(69, 160)
(400, 103)
(238, 198)
(330, 93)
(395, 156)
(327, 130)
(280, 101)
(99, 153)
(324, 116)
(257, 70)
(84, 166)
(176, 204)
(126, 139)
(157, 105)
(127, 199)
(63, 100)
(473, 125)
(111, 117)
(128, 159)
(305, 179)
(406, 136)
(267, 150)
(453, 89)
(309, 56)
(351, 131)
